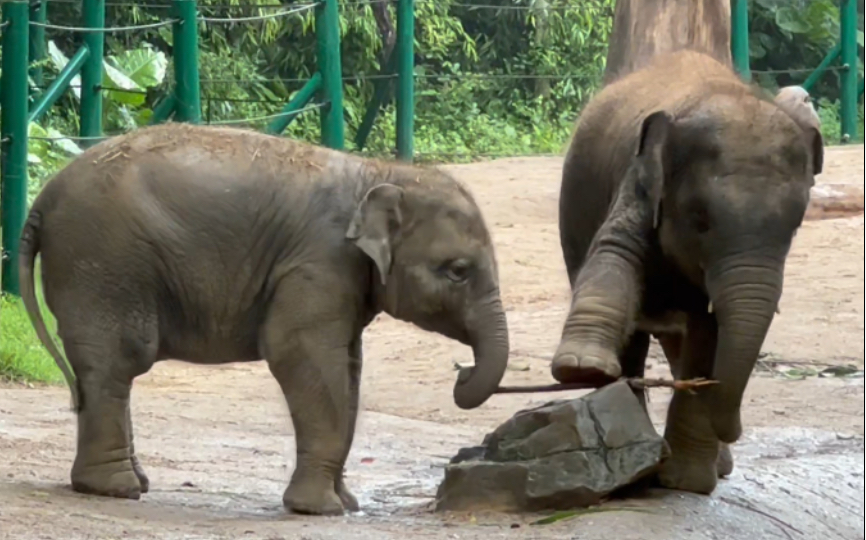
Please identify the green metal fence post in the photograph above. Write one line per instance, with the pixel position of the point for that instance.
(91, 74)
(60, 85)
(405, 50)
(850, 74)
(822, 68)
(38, 13)
(13, 138)
(292, 108)
(740, 38)
(328, 58)
(163, 110)
(187, 87)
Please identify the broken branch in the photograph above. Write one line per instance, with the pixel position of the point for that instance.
(638, 384)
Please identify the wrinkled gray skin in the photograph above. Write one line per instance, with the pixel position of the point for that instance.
(214, 245)
(681, 193)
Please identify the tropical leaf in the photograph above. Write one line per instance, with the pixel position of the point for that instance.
(120, 88)
(789, 20)
(145, 66)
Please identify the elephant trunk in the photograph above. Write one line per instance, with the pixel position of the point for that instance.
(745, 297)
(488, 334)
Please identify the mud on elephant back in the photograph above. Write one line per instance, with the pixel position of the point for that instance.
(213, 245)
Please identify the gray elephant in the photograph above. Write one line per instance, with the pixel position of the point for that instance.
(681, 193)
(213, 245)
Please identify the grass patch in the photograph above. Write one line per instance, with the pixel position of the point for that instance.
(23, 358)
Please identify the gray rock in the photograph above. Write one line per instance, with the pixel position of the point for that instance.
(564, 454)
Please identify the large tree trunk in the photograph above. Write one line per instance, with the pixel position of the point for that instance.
(645, 28)
(386, 29)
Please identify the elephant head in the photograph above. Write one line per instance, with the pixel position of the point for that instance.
(797, 102)
(734, 176)
(437, 269)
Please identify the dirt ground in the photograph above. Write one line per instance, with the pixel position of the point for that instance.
(217, 444)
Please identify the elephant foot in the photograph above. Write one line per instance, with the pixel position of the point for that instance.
(139, 473)
(350, 502)
(313, 496)
(592, 364)
(725, 462)
(688, 475)
(116, 480)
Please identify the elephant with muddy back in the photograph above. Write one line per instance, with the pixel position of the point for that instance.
(681, 193)
(213, 245)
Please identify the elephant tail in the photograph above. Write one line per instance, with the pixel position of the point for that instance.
(29, 248)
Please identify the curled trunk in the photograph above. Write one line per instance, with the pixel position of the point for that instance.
(488, 331)
(745, 299)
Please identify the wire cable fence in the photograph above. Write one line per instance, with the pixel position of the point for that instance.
(253, 120)
(288, 10)
(86, 30)
(266, 118)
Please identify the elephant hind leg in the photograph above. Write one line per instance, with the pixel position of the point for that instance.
(725, 462)
(133, 457)
(108, 340)
(106, 364)
(633, 361)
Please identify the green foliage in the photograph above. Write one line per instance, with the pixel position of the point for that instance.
(796, 35)
(831, 115)
(22, 356)
(250, 70)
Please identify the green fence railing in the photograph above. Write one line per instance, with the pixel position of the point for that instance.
(844, 58)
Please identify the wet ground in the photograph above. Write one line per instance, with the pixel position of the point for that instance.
(217, 445)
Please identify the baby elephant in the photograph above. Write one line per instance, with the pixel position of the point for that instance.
(214, 245)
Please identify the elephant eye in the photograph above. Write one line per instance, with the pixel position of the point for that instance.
(458, 271)
(700, 219)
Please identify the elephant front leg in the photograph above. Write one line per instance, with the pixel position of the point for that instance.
(695, 448)
(350, 502)
(672, 346)
(605, 305)
(313, 372)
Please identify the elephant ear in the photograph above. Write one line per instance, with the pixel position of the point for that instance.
(815, 141)
(653, 156)
(375, 225)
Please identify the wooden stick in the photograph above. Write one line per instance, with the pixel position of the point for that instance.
(638, 384)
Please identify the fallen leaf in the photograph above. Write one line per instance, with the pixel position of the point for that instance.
(842, 372)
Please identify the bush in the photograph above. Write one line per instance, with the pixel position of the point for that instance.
(831, 118)
(22, 356)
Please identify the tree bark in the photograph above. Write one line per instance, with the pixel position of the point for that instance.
(386, 29)
(541, 12)
(643, 29)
